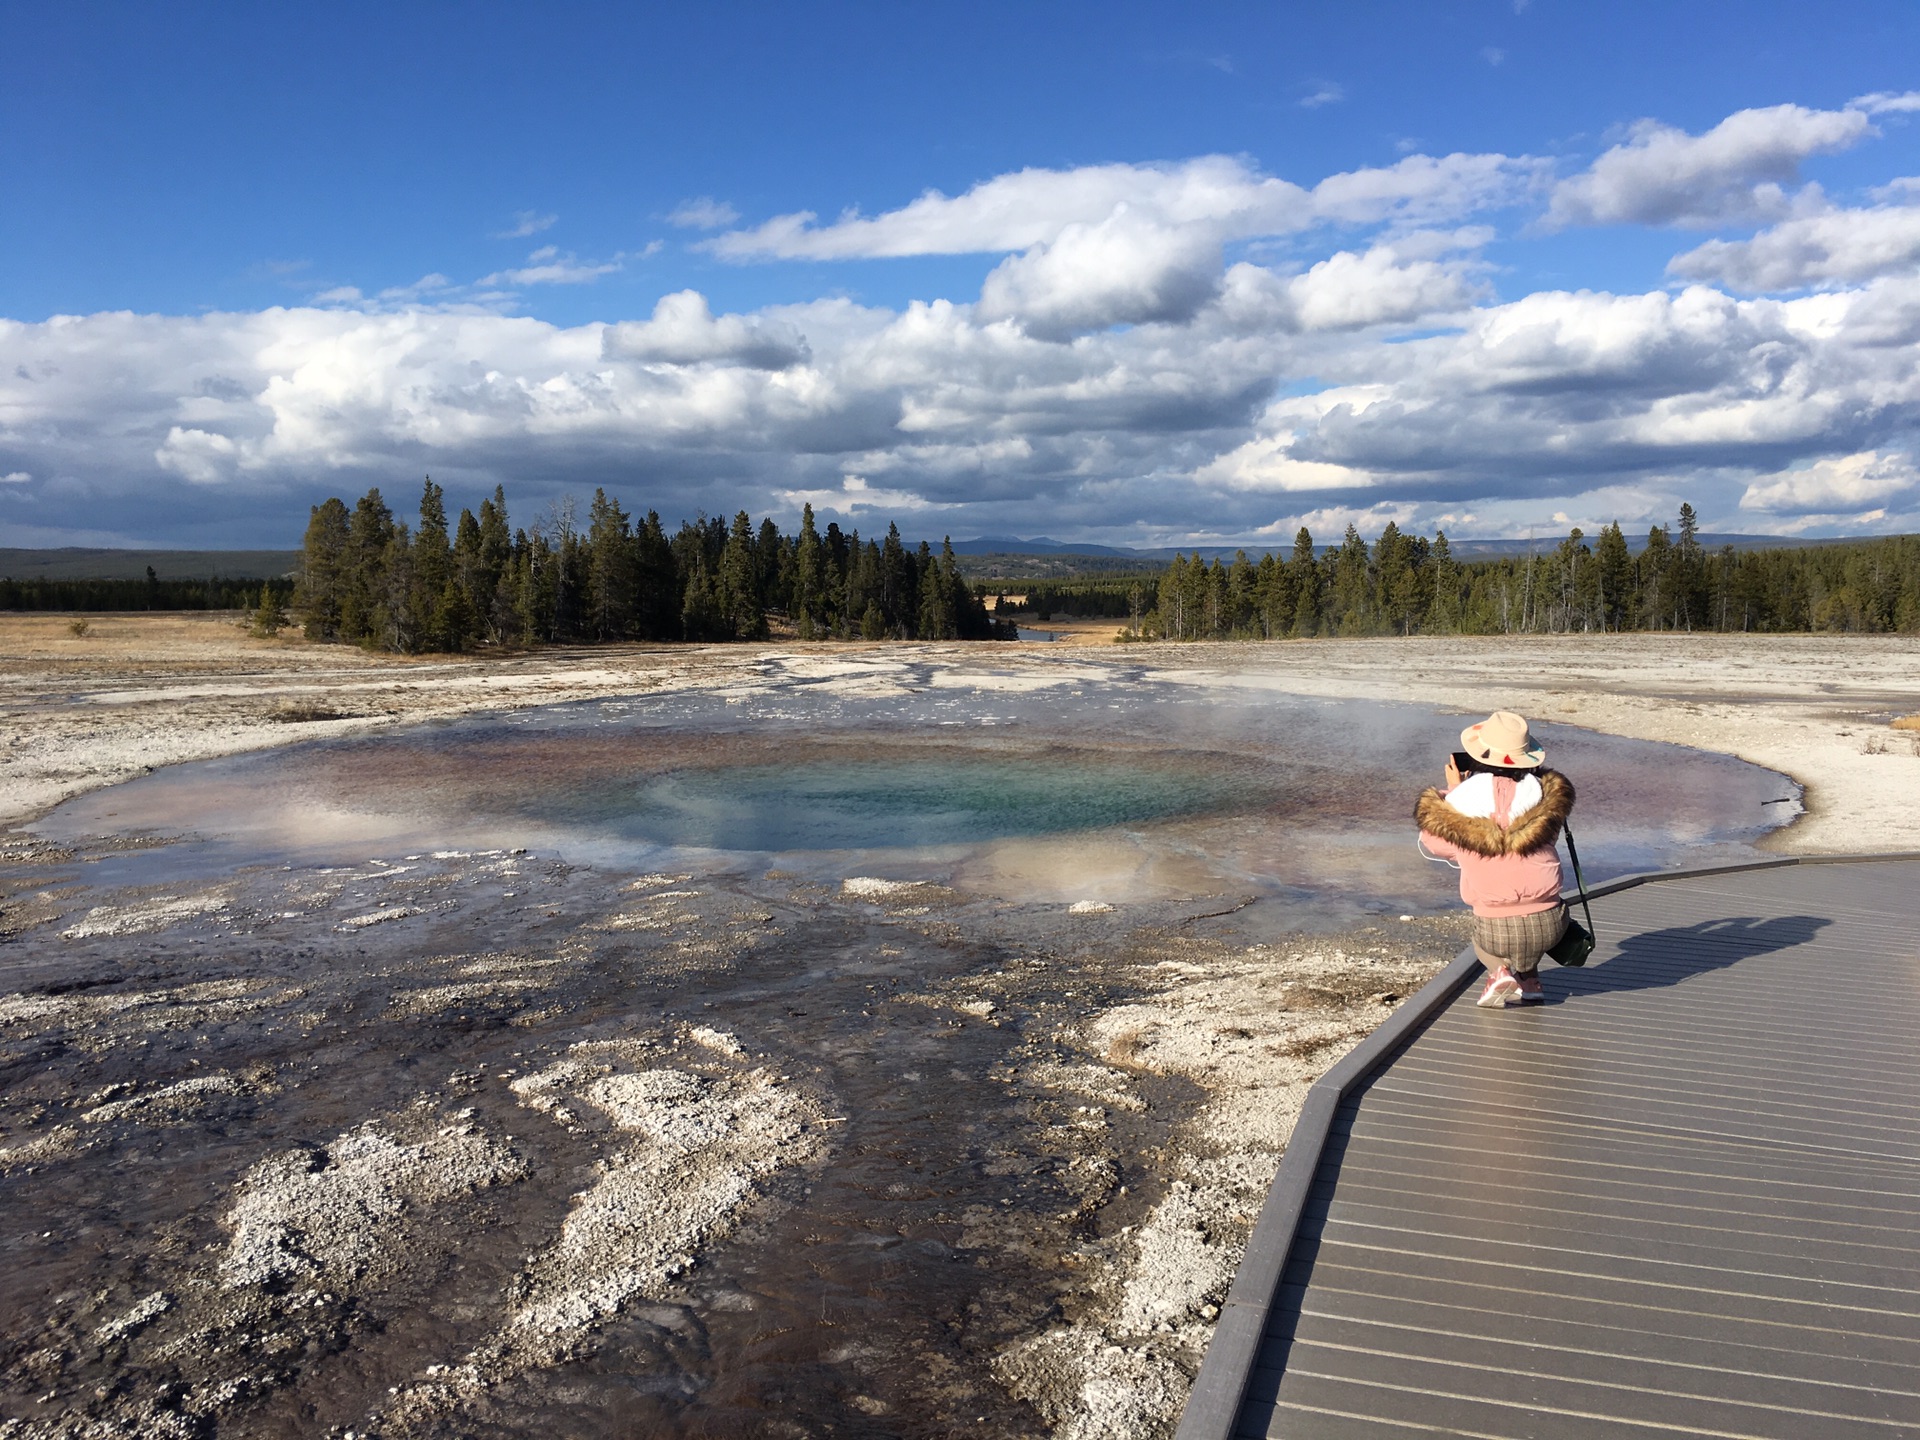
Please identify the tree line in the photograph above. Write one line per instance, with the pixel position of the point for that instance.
(370, 578)
(1105, 598)
(1406, 585)
(151, 593)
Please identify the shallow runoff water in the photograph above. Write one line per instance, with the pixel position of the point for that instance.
(329, 1066)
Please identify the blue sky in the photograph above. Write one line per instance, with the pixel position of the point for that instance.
(311, 251)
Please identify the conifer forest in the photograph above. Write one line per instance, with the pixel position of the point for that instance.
(1406, 585)
(370, 578)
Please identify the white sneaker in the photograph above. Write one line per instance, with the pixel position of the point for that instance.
(1502, 990)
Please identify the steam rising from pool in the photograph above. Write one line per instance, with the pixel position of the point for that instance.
(1109, 787)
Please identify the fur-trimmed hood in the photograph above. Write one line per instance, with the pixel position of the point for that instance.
(1535, 830)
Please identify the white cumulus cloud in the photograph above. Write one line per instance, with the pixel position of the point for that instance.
(1835, 484)
(1127, 269)
(1427, 189)
(1736, 171)
(1381, 286)
(1834, 246)
(684, 331)
(1033, 207)
(1222, 196)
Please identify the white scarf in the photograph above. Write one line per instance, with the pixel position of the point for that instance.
(1474, 796)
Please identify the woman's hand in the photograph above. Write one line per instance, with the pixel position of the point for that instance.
(1453, 774)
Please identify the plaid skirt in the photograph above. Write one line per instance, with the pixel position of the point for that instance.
(1520, 940)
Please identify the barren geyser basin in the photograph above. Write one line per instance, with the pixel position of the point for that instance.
(890, 1040)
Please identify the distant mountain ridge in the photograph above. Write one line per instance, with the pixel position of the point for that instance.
(1050, 556)
(79, 563)
(1039, 545)
(1463, 549)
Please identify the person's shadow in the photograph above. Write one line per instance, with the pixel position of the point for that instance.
(1666, 957)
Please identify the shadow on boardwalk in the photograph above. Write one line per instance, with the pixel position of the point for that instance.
(1655, 958)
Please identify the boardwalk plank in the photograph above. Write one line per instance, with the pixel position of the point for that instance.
(1682, 1198)
(1722, 1356)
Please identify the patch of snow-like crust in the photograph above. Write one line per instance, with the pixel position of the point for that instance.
(145, 916)
(328, 1215)
(168, 1102)
(871, 887)
(378, 917)
(701, 1149)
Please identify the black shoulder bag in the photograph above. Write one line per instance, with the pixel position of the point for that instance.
(1576, 945)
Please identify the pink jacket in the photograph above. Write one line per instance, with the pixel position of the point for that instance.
(1502, 835)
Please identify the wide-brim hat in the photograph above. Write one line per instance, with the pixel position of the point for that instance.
(1503, 739)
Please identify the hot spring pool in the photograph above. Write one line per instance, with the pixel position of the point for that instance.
(1107, 791)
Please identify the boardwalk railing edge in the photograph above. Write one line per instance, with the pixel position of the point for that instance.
(1222, 1381)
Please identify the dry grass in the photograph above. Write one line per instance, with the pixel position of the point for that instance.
(1906, 722)
(1126, 1047)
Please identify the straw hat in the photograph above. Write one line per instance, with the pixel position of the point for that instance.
(1502, 739)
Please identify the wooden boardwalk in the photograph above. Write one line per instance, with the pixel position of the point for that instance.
(1681, 1198)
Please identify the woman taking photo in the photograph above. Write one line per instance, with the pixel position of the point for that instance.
(1499, 820)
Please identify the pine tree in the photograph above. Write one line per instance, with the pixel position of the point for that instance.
(836, 556)
(1444, 612)
(369, 534)
(658, 586)
(1238, 617)
(938, 619)
(1689, 571)
(610, 570)
(1613, 577)
(1273, 596)
(1573, 577)
(1350, 610)
(1393, 581)
(702, 617)
(862, 590)
(970, 618)
(899, 584)
(775, 565)
(322, 587)
(1172, 600)
(1304, 581)
(808, 582)
(483, 563)
(536, 597)
(1654, 599)
(428, 603)
(739, 597)
(269, 616)
(396, 625)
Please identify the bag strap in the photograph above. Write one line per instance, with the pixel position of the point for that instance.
(1579, 879)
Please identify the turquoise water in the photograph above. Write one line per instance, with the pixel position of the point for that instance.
(926, 799)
